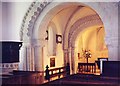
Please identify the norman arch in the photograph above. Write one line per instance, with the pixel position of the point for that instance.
(36, 20)
(76, 29)
(82, 24)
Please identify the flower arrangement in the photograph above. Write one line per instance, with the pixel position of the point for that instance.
(87, 54)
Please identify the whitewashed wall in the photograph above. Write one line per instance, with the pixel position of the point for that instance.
(13, 13)
(106, 11)
(12, 16)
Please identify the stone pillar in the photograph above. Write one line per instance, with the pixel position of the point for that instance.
(71, 60)
(112, 44)
(38, 55)
(118, 31)
(26, 58)
(111, 29)
(66, 57)
(23, 53)
(119, 52)
(38, 58)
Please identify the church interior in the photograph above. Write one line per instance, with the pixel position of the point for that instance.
(66, 43)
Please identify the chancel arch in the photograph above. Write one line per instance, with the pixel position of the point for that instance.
(87, 39)
(39, 16)
(91, 25)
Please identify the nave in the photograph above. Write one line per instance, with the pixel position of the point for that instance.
(54, 34)
(62, 77)
(85, 80)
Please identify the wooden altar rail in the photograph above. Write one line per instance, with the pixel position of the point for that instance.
(91, 67)
(57, 72)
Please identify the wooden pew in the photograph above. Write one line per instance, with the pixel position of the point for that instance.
(111, 68)
(23, 77)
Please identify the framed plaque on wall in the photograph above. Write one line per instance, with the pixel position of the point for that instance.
(52, 62)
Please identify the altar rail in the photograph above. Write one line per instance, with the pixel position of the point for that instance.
(57, 72)
(87, 67)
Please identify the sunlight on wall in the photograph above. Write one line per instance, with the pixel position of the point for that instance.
(91, 39)
(53, 50)
(12, 15)
(51, 42)
(81, 13)
(59, 61)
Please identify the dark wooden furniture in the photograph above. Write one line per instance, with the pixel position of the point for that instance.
(111, 68)
(98, 61)
(23, 77)
(82, 67)
(57, 72)
(10, 51)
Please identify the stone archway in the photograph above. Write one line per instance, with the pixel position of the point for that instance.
(79, 26)
(36, 21)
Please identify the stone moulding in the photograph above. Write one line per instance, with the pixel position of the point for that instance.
(30, 17)
(82, 24)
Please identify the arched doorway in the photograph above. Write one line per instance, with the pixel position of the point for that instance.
(38, 24)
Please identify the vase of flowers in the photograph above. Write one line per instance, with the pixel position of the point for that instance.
(87, 55)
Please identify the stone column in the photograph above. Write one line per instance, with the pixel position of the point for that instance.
(38, 55)
(119, 52)
(22, 64)
(71, 60)
(26, 59)
(66, 57)
(111, 29)
(38, 46)
(112, 44)
(118, 31)
(38, 58)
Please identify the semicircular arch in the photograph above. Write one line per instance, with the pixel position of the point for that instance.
(80, 25)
